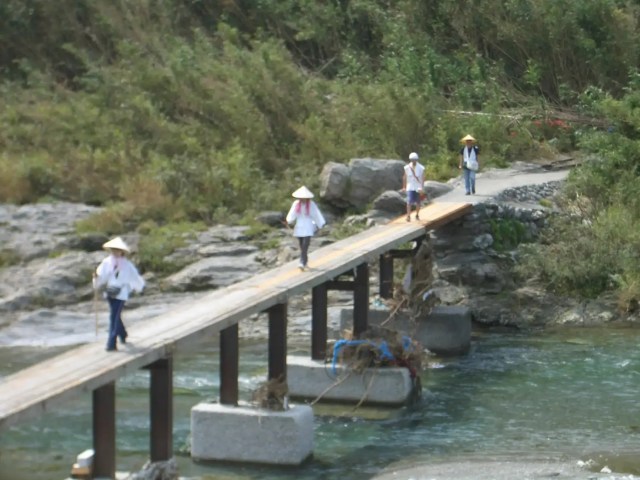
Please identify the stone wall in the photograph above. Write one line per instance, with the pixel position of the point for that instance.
(470, 268)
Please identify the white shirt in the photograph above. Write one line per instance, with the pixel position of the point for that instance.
(414, 183)
(119, 271)
(306, 223)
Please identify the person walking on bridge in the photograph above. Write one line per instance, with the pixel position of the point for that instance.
(413, 184)
(119, 277)
(307, 218)
(469, 163)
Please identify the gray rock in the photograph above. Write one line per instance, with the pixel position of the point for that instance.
(334, 180)
(212, 272)
(222, 233)
(360, 182)
(390, 201)
(483, 241)
(62, 280)
(435, 189)
(226, 250)
(87, 243)
(32, 231)
(273, 219)
(164, 470)
(369, 177)
(474, 270)
(379, 217)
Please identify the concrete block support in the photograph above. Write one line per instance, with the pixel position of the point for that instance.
(309, 379)
(445, 331)
(248, 434)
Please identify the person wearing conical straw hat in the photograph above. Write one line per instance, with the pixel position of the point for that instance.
(469, 163)
(119, 277)
(413, 184)
(307, 218)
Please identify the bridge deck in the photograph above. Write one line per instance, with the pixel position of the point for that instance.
(42, 387)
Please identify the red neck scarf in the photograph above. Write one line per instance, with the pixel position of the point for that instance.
(306, 202)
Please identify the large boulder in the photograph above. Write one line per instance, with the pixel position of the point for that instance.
(34, 231)
(358, 184)
(435, 189)
(391, 202)
(213, 272)
(62, 280)
(334, 180)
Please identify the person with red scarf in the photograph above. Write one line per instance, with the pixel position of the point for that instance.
(307, 218)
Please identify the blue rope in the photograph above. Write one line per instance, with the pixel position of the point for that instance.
(385, 352)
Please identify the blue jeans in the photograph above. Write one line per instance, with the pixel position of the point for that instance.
(469, 180)
(116, 327)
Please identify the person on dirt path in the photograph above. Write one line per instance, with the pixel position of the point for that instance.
(413, 184)
(469, 163)
(307, 218)
(120, 277)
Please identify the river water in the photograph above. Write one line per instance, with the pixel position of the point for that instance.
(570, 394)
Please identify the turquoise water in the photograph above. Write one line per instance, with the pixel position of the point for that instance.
(571, 394)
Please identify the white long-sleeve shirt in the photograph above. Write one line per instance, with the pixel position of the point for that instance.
(119, 271)
(306, 223)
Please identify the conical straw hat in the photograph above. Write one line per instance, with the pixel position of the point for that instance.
(116, 244)
(468, 137)
(302, 192)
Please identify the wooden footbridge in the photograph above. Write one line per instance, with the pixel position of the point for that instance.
(89, 369)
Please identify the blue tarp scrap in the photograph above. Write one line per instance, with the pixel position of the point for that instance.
(383, 348)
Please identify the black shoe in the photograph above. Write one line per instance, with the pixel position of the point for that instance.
(473, 191)
(112, 349)
(467, 193)
(123, 340)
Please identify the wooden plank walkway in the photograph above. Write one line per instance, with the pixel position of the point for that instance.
(42, 387)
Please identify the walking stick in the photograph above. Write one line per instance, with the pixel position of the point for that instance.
(286, 224)
(95, 307)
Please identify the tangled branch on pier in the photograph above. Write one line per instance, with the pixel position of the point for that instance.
(272, 394)
(378, 347)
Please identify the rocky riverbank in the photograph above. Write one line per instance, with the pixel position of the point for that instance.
(46, 297)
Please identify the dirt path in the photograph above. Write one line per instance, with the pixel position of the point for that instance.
(491, 182)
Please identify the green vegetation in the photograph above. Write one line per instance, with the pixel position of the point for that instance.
(507, 234)
(597, 250)
(178, 111)
(345, 230)
(8, 257)
(159, 241)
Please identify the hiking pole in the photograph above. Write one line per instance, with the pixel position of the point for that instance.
(286, 224)
(95, 306)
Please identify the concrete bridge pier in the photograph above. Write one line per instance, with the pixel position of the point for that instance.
(100, 462)
(313, 379)
(229, 432)
(445, 331)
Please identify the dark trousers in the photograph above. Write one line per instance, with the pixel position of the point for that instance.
(304, 249)
(116, 327)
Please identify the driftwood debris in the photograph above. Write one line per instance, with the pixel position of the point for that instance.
(272, 395)
(378, 347)
(421, 296)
